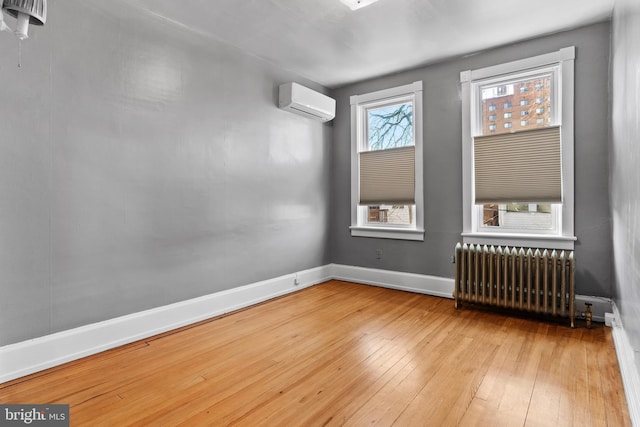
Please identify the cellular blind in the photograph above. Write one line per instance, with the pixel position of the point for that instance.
(388, 176)
(524, 166)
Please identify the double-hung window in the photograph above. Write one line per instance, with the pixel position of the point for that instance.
(386, 164)
(518, 179)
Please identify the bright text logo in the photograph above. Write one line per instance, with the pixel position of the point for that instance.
(34, 415)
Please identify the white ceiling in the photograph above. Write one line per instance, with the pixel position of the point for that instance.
(325, 41)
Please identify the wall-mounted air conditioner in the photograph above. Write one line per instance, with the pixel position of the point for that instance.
(306, 102)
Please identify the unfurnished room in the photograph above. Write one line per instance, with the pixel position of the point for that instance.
(320, 213)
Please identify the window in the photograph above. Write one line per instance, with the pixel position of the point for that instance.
(539, 100)
(492, 108)
(524, 102)
(518, 182)
(523, 89)
(386, 164)
(493, 127)
(507, 105)
(492, 117)
(524, 216)
(507, 115)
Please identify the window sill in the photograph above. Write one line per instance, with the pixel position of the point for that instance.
(388, 233)
(520, 240)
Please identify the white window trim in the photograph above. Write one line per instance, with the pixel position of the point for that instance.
(401, 232)
(565, 239)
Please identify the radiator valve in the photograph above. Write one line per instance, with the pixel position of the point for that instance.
(588, 315)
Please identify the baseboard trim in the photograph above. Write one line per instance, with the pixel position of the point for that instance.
(628, 367)
(411, 282)
(27, 357)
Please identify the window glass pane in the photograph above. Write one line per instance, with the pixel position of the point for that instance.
(490, 217)
(500, 97)
(517, 216)
(517, 207)
(390, 126)
(389, 214)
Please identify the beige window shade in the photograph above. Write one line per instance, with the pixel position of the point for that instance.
(388, 176)
(525, 166)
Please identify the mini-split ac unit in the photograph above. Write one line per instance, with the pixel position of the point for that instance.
(306, 102)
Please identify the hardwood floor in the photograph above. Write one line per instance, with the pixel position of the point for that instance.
(345, 354)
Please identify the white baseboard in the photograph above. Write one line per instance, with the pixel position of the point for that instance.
(27, 357)
(440, 286)
(420, 283)
(628, 367)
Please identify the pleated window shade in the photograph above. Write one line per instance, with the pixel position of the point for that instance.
(525, 166)
(388, 176)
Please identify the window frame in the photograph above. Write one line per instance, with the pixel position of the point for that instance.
(564, 90)
(359, 107)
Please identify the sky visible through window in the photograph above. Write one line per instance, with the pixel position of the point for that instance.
(390, 126)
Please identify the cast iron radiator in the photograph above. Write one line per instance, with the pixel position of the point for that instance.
(516, 278)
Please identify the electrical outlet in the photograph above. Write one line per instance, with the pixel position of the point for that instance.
(378, 253)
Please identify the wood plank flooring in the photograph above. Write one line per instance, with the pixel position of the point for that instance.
(346, 354)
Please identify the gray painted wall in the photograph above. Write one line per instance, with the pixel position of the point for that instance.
(142, 164)
(625, 171)
(443, 162)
